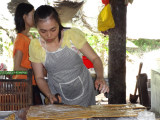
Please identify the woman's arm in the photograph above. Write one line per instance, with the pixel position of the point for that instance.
(41, 82)
(100, 83)
(17, 61)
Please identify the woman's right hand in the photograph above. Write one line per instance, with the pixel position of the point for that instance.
(55, 99)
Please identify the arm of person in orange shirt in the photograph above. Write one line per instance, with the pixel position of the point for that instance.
(17, 61)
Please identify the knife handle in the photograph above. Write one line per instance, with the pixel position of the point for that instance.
(57, 95)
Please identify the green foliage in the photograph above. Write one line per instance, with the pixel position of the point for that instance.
(34, 33)
(5, 43)
(147, 44)
(1, 45)
(99, 43)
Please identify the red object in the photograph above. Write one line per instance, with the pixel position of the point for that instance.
(87, 62)
(105, 2)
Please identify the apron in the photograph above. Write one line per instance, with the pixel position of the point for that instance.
(68, 76)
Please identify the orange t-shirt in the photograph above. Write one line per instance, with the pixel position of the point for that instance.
(22, 43)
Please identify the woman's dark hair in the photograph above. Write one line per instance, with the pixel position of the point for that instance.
(45, 11)
(22, 9)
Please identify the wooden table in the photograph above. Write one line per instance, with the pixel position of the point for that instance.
(95, 112)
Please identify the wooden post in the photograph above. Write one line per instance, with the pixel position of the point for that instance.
(117, 54)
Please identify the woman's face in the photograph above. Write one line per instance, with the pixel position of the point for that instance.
(48, 29)
(28, 19)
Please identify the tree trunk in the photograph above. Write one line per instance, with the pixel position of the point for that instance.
(117, 54)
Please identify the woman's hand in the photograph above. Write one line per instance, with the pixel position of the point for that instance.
(101, 85)
(55, 99)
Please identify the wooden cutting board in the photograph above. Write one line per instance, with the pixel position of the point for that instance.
(63, 112)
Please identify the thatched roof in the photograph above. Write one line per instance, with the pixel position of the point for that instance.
(66, 8)
(77, 1)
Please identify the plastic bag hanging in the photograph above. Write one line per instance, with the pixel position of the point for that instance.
(105, 2)
(105, 18)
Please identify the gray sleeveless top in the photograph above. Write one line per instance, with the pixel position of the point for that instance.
(68, 76)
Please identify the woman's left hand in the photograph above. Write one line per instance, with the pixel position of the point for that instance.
(101, 85)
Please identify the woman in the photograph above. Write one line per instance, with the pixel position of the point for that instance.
(24, 21)
(55, 50)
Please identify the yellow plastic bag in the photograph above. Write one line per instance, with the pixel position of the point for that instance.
(105, 19)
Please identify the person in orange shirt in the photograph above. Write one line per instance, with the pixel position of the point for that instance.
(24, 21)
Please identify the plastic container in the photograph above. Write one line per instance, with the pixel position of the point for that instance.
(15, 94)
(87, 62)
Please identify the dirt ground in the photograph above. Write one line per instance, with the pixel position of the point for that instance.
(150, 60)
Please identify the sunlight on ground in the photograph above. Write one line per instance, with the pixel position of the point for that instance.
(151, 60)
